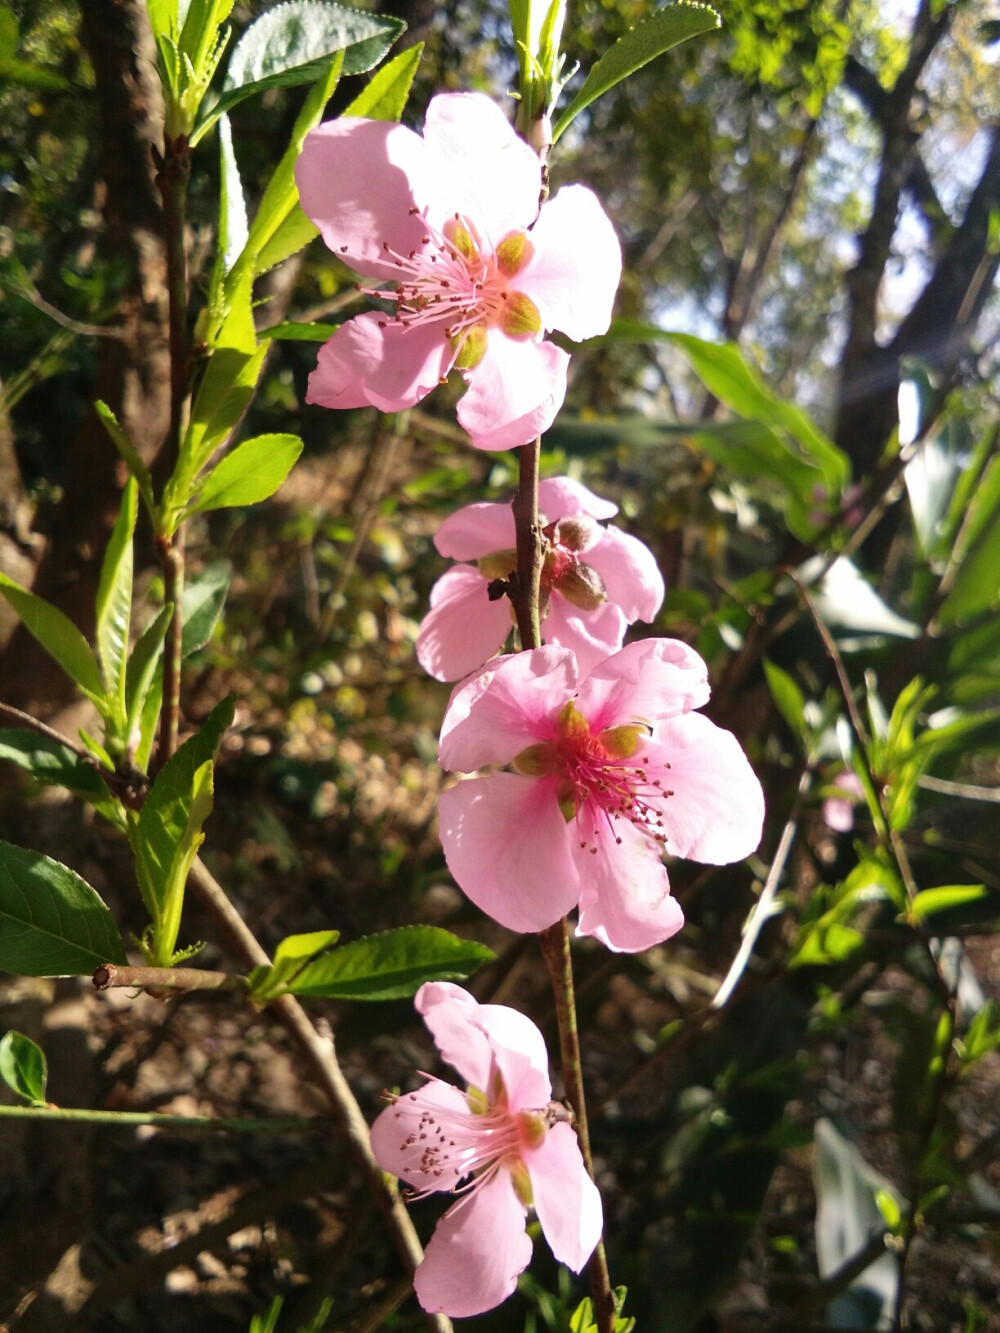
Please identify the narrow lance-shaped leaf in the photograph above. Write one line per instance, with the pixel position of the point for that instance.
(665, 28)
(130, 454)
(114, 611)
(391, 965)
(46, 760)
(52, 923)
(385, 94)
(58, 636)
(251, 473)
(143, 663)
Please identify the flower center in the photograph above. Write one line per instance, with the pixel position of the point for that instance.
(603, 777)
(444, 1144)
(454, 279)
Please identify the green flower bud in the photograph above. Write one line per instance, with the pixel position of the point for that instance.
(582, 586)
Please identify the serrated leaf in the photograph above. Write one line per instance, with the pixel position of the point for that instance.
(290, 957)
(137, 468)
(23, 1067)
(294, 234)
(202, 603)
(295, 948)
(166, 836)
(251, 473)
(384, 96)
(114, 607)
(234, 226)
(58, 636)
(49, 762)
(292, 44)
(391, 965)
(52, 923)
(665, 28)
(145, 658)
(307, 333)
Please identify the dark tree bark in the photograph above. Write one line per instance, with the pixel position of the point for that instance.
(941, 323)
(133, 369)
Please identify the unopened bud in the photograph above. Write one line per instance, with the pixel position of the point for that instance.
(578, 533)
(582, 587)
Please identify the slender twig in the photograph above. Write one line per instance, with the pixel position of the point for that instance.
(109, 976)
(762, 908)
(322, 1057)
(524, 588)
(72, 1115)
(130, 787)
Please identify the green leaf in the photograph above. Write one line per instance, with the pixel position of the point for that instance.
(167, 834)
(58, 636)
(54, 764)
(930, 901)
(23, 1067)
(251, 473)
(384, 96)
(52, 923)
(663, 29)
(291, 955)
(788, 698)
(143, 663)
(305, 333)
(293, 43)
(391, 965)
(234, 225)
(130, 454)
(292, 235)
(114, 608)
(201, 605)
(163, 17)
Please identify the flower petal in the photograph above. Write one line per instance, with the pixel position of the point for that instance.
(451, 1016)
(625, 893)
(644, 682)
(573, 275)
(477, 1252)
(476, 530)
(591, 635)
(392, 1134)
(493, 177)
(566, 1200)
(632, 578)
(514, 393)
(358, 180)
(716, 811)
(507, 846)
(519, 1051)
(463, 628)
(371, 360)
(506, 707)
(558, 497)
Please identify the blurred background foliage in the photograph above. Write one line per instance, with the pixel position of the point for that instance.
(818, 184)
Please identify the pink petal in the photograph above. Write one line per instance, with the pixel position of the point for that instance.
(838, 814)
(358, 180)
(631, 575)
(645, 681)
(391, 1134)
(493, 177)
(371, 360)
(463, 628)
(591, 635)
(625, 893)
(519, 1051)
(574, 272)
(509, 705)
(716, 811)
(514, 393)
(507, 846)
(476, 530)
(558, 497)
(451, 1015)
(566, 1200)
(477, 1252)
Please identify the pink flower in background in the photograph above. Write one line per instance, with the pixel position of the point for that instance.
(609, 772)
(503, 1134)
(445, 219)
(838, 808)
(595, 582)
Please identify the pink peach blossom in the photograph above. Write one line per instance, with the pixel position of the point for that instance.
(595, 582)
(609, 772)
(506, 1134)
(479, 272)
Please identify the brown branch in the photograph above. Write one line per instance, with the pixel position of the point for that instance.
(111, 975)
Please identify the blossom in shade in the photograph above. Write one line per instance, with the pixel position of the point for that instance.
(838, 808)
(505, 1138)
(448, 229)
(610, 771)
(595, 582)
